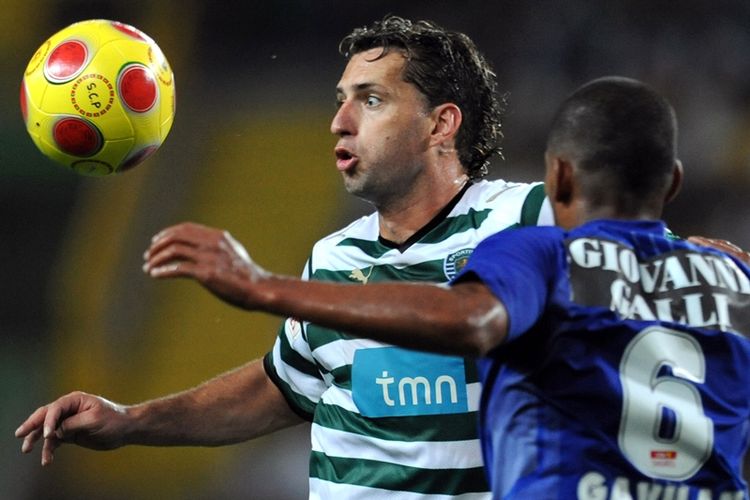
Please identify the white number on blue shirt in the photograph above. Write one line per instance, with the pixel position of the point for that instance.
(663, 430)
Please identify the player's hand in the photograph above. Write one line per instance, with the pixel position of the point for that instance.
(723, 245)
(210, 256)
(80, 418)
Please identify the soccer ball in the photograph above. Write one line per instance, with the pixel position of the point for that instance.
(98, 97)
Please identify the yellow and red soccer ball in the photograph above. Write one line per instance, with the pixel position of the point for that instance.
(98, 97)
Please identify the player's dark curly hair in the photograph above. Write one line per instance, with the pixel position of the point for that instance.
(446, 67)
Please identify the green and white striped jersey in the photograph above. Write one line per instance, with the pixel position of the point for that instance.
(386, 419)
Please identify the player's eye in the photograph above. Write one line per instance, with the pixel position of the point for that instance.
(372, 101)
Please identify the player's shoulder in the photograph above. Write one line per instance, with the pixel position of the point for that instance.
(365, 228)
(499, 191)
(508, 203)
(520, 240)
(553, 234)
(343, 247)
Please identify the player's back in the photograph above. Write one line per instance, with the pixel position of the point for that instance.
(635, 382)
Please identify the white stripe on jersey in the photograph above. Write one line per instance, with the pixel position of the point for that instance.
(341, 352)
(473, 394)
(339, 397)
(546, 215)
(422, 454)
(325, 490)
(301, 383)
(293, 332)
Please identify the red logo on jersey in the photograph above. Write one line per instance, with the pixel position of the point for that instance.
(663, 454)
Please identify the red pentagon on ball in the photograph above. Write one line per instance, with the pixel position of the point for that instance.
(66, 61)
(77, 137)
(24, 108)
(137, 88)
(130, 30)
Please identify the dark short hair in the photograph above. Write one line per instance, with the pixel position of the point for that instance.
(621, 133)
(446, 67)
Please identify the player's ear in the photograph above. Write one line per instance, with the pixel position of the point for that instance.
(559, 180)
(674, 188)
(447, 119)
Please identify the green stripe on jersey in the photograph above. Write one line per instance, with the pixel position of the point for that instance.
(373, 248)
(301, 405)
(430, 271)
(447, 228)
(388, 476)
(295, 359)
(455, 225)
(532, 206)
(318, 336)
(442, 427)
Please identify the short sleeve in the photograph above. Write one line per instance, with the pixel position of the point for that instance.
(520, 267)
(291, 366)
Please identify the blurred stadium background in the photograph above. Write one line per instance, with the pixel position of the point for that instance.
(250, 151)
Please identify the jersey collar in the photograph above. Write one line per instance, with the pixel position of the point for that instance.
(432, 224)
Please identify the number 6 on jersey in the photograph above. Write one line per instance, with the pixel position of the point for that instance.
(658, 371)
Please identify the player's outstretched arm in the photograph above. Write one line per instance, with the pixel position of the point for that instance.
(723, 245)
(464, 319)
(233, 407)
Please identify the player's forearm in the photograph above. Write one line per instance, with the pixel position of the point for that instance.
(233, 407)
(464, 320)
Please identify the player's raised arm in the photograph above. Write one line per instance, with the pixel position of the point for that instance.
(465, 319)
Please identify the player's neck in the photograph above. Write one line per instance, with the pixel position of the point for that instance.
(402, 218)
(586, 213)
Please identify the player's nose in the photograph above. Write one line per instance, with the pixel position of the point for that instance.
(344, 121)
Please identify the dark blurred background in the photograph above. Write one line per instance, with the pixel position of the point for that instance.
(250, 151)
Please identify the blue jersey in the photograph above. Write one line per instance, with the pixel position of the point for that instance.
(625, 372)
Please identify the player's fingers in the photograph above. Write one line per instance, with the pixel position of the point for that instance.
(30, 439)
(704, 241)
(174, 270)
(700, 240)
(728, 246)
(165, 239)
(188, 232)
(64, 406)
(53, 415)
(724, 245)
(176, 252)
(715, 242)
(33, 422)
(177, 230)
(48, 450)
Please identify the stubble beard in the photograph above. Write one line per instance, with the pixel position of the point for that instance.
(368, 189)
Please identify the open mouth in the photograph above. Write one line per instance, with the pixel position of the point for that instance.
(345, 160)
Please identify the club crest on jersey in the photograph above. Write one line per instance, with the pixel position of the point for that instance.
(294, 327)
(455, 262)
